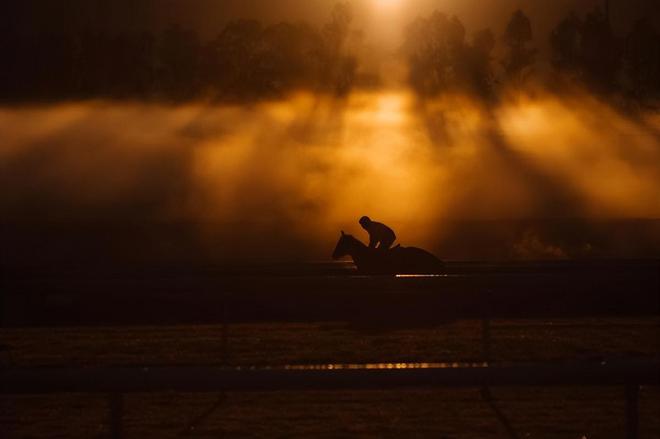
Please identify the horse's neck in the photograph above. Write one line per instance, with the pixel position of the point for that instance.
(359, 252)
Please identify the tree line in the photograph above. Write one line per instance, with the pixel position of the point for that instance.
(583, 49)
(249, 60)
(245, 60)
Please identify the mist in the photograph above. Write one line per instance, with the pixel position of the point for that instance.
(281, 178)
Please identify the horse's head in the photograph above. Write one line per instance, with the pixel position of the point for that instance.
(344, 246)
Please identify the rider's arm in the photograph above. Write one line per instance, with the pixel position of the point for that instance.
(372, 241)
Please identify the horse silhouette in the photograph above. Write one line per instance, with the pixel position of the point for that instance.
(398, 260)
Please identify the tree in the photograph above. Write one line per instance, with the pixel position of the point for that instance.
(435, 47)
(479, 69)
(566, 45)
(337, 30)
(440, 59)
(642, 58)
(289, 57)
(520, 58)
(587, 50)
(179, 62)
(341, 66)
(235, 54)
(601, 52)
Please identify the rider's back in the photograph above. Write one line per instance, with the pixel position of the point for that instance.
(380, 232)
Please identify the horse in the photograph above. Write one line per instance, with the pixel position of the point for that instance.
(398, 260)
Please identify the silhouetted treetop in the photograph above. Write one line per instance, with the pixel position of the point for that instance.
(440, 58)
(586, 49)
(642, 58)
(566, 43)
(519, 30)
(336, 31)
(519, 58)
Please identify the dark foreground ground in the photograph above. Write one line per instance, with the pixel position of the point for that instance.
(174, 294)
(550, 312)
(532, 412)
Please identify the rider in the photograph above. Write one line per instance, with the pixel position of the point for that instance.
(380, 236)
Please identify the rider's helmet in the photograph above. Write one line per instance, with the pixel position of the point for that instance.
(365, 221)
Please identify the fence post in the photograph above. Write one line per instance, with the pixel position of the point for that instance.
(632, 411)
(486, 329)
(116, 415)
(485, 339)
(225, 332)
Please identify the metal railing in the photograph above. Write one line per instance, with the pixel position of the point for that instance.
(116, 382)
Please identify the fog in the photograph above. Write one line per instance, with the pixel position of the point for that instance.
(281, 178)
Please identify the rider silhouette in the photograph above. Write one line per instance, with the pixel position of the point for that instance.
(381, 237)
